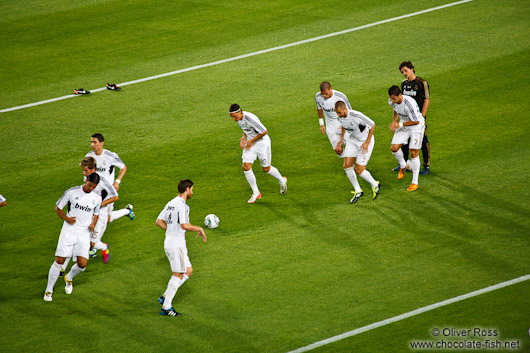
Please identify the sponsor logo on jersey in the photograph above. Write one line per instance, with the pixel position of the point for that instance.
(329, 110)
(83, 208)
(410, 93)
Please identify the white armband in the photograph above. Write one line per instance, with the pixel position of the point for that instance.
(321, 122)
(117, 181)
(400, 124)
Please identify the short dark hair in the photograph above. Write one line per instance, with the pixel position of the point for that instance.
(407, 64)
(184, 184)
(340, 104)
(99, 137)
(93, 178)
(324, 86)
(234, 108)
(394, 91)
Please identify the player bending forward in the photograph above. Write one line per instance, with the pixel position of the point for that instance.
(174, 219)
(255, 144)
(75, 233)
(359, 146)
(408, 124)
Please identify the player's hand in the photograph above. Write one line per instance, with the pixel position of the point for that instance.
(201, 233)
(393, 126)
(242, 142)
(323, 129)
(91, 227)
(116, 186)
(70, 220)
(248, 144)
(364, 147)
(339, 148)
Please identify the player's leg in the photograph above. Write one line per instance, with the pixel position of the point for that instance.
(127, 211)
(96, 236)
(248, 158)
(415, 145)
(360, 168)
(426, 153)
(265, 158)
(80, 250)
(64, 250)
(400, 137)
(333, 132)
(178, 259)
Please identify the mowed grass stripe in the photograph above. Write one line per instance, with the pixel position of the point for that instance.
(244, 56)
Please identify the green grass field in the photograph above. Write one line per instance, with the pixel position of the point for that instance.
(289, 270)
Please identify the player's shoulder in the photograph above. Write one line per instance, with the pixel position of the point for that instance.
(340, 94)
(319, 96)
(90, 154)
(421, 80)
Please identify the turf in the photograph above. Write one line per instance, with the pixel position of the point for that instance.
(289, 270)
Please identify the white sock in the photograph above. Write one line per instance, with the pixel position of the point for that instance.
(65, 265)
(401, 160)
(74, 271)
(53, 275)
(353, 179)
(100, 245)
(172, 287)
(184, 279)
(415, 166)
(114, 215)
(275, 173)
(366, 175)
(251, 178)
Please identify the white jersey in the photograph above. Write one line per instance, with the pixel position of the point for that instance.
(106, 190)
(408, 110)
(328, 105)
(175, 213)
(252, 126)
(106, 163)
(81, 205)
(357, 125)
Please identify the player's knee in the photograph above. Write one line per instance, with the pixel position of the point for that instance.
(413, 153)
(266, 169)
(359, 169)
(246, 167)
(189, 271)
(394, 148)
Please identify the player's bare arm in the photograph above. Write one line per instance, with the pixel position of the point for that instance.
(162, 224)
(395, 122)
(120, 177)
(249, 143)
(243, 141)
(191, 228)
(339, 148)
(111, 200)
(320, 114)
(366, 143)
(60, 212)
(93, 224)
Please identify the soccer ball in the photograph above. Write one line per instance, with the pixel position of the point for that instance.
(211, 221)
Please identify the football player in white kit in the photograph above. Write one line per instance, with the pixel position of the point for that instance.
(74, 240)
(255, 143)
(408, 123)
(107, 162)
(175, 220)
(358, 135)
(108, 195)
(326, 100)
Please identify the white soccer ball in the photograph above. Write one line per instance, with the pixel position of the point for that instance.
(211, 221)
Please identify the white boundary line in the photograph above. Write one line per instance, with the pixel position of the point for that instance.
(243, 56)
(410, 313)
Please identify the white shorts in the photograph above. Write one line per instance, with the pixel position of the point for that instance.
(402, 136)
(261, 150)
(178, 259)
(73, 242)
(354, 149)
(100, 228)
